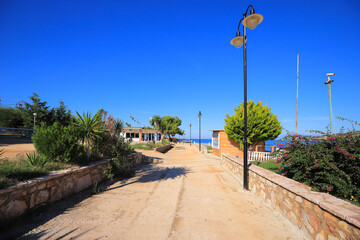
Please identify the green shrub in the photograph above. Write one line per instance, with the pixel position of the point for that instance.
(58, 143)
(165, 141)
(120, 165)
(36, 160)
(327, 164)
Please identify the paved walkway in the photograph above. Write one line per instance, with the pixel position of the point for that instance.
(189, 196)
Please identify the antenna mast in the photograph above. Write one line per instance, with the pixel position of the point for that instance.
(297, 93)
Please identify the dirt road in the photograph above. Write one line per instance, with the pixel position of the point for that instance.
(14, 147)
(189, 196)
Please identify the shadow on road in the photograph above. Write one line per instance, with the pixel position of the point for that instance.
(15, 229)
(152, 173)
(40, 216)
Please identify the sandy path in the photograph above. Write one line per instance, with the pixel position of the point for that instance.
(189, 196)
(15, 147)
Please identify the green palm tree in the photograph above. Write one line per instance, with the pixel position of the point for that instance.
(118, 126)
(90, 127)
(155, 121)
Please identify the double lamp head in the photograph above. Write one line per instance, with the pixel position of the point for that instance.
(251, 22)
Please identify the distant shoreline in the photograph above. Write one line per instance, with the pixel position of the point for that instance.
(205, 141)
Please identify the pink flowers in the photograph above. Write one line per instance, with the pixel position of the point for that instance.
(331, 138)
(328, 189)
(278, 160)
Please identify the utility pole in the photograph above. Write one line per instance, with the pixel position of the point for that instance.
(328, 82)
(297, 93)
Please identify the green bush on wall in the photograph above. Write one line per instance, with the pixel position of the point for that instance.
(58, 143)
(327, 164)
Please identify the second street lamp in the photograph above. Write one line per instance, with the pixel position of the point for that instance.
(200, 130)
(190, 134)
(251, 22)
(34, 119)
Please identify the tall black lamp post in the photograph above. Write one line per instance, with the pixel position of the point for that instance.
(200, 130)
(190, 134)
(251, 22)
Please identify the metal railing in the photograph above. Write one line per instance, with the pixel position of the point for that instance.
(16, 132)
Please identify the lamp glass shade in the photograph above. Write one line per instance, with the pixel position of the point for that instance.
(237, 41)
(199, 115)
(253, 20)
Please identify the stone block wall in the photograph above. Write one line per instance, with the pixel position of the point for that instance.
(321, 215)
(27, 195)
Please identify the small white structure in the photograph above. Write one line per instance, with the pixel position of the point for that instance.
(138, 134)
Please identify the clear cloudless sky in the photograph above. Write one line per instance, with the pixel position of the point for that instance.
(142, 58)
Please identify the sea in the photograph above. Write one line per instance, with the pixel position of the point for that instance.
(206, 141)
(273, 142)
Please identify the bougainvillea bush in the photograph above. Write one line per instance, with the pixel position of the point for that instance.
(330, 163)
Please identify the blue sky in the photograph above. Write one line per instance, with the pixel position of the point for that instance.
(142, 58)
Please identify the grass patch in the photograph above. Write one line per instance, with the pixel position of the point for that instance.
(149, 145)
(209, 148)
(145, 146)
(13, 172)
(269, 165)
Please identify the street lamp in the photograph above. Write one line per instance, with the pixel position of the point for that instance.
(200, 130)
(251, 22)
(34, 118)
(190, 134)
(328, 82)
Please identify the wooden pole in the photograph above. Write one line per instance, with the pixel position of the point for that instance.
(297, 93)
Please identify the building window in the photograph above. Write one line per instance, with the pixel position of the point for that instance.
(215, 140)
(132, 135)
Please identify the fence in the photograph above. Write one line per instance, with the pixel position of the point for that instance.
(16, 132)
(259, 156)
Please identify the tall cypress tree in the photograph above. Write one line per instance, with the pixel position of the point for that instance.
(262, 124)
(43, 114)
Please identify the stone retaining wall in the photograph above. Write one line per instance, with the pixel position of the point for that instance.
(27, 195)
(164, 148)
(321, 215)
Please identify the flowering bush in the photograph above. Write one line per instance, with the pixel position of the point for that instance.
(328, 164)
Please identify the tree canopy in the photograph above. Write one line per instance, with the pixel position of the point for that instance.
(262, 124)
(10, 118)
(170, 126)
(167, 125)
(43, 114)
(23, 115)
